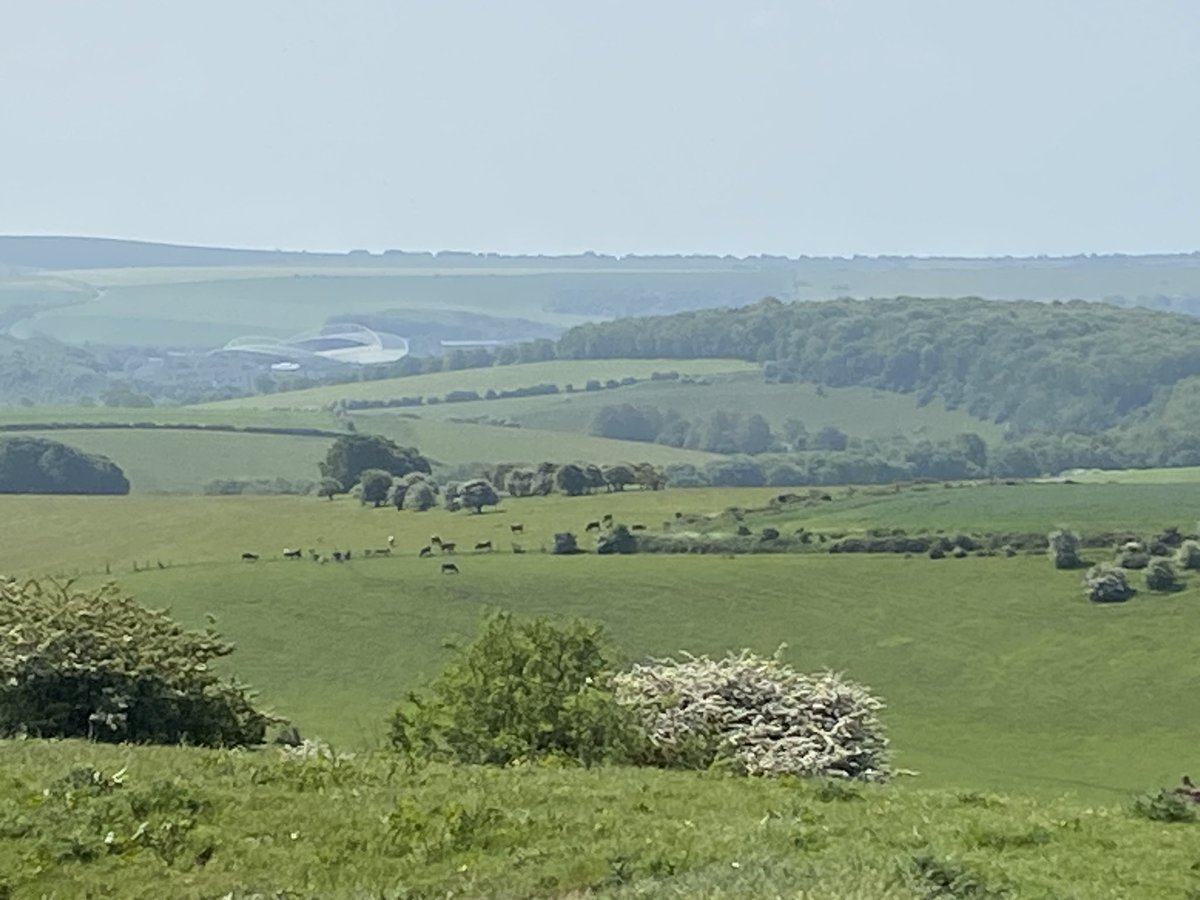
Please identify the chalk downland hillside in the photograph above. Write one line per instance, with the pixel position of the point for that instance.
(497, 378)
(215, 822)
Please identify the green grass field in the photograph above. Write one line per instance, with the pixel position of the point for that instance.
(1178, 475)
(857, 411)
(196, 824)
(499, 378)
(988, 507)
(182, 462)
(168, 415)
(997, 673)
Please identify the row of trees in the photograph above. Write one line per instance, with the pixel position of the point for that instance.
(721, 431)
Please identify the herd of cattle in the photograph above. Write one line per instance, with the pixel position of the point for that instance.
(443, 547)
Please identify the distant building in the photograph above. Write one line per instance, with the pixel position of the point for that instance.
(343, 342)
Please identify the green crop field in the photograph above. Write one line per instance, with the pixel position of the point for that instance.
(857, 411)
(498, 378)
(997, 673)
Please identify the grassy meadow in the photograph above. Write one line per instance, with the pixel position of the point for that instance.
(997, 673)
(200, 824)
(498, 378)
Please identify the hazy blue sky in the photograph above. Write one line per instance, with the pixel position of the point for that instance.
(808, 127)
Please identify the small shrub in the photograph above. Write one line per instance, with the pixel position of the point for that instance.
(1133, 559)
(959, 553)
(1064, 549)
(1106, 584)
(936, 552)
(1160, 576)
(757, 715)
(565, 544)
(1188, 556)
(1165, 806)
(520, 691)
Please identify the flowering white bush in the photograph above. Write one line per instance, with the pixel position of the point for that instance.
(757, 714)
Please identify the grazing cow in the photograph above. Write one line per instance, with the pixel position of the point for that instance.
(249, 557)
(517, 528)
(434, 539)
(484, 545)
(425, 551)
(607, 517)
(447, 546)
(346, 556)
(449, 569)
(386, 551)
(637, 527)
(337, 555)
(391, 540)
(517, 548)
(292, 553)
(592, 526)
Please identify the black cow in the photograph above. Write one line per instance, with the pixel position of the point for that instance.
(484, 545)
(449, 569)
(249, 557)
(425, 551)
(592, 526)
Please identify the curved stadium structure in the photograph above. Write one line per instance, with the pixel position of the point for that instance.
(343, 342)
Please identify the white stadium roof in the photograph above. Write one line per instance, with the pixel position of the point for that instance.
(341, 342)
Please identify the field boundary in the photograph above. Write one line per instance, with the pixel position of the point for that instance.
(19, 427)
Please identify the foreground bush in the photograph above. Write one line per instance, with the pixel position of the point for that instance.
(520, 691)
(758, 715)
(95, 664)
(1188, 556)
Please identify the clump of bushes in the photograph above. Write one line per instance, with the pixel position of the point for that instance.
(95, 664)
(1106, 584)
(1064, 549)
(757, 715)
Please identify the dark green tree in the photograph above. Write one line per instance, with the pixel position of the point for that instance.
(375, 486)
(571, 480)
(476, 494)
(351, 454)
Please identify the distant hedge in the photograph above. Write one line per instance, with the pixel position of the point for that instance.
(30, 465)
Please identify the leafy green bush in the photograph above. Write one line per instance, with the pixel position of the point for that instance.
(1189, 555)
(1064, 549)
(1165, 806)
(1106, 584)
(520, 691)
(1160, 576)
(95, 664)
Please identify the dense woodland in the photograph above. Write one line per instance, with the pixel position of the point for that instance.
(1034, 366)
